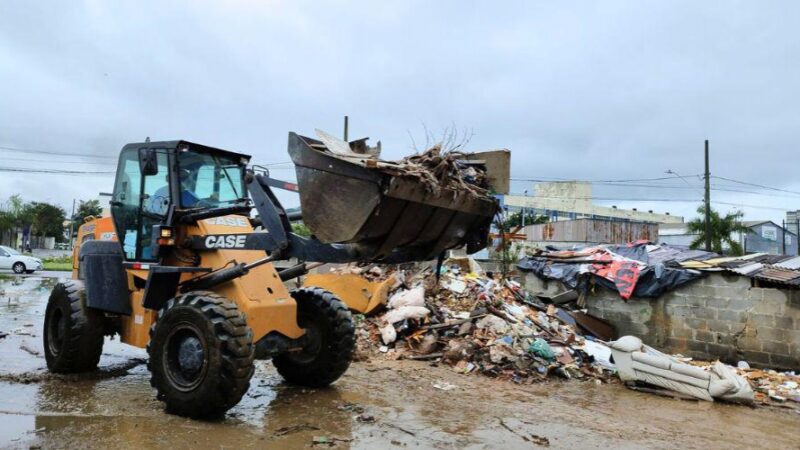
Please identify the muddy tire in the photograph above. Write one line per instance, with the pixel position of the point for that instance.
(73, 333)
(18, 267)
(331, 338)
(201, 355)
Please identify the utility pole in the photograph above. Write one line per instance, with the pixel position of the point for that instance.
(708, 203)
(783, 235)
(71, 224)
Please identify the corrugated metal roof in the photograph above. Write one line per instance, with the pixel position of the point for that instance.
(747, 269)
(791, 263)
(778, 275)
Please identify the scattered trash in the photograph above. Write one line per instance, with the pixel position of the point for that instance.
(327, 441)
(283, 431)
(365, 418)
(444, 386)
(24, 346)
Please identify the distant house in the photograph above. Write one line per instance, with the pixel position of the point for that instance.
(765, 236)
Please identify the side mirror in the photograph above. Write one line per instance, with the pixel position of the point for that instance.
(148, 162)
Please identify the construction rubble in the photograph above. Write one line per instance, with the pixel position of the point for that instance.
(477, 323)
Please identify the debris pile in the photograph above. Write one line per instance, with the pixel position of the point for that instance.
(437, 168)
(772, 387)
(477, 323)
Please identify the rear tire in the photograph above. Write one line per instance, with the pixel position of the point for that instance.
(73, 333)
(18, 267)
(201, 355)
(331, 339)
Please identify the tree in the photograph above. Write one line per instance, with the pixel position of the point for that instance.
(47, 220)
(21, 214)
(85, 209)
(300, 229)
(515, 220)
(722, 229)
(6, 224)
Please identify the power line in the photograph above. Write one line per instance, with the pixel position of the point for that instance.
(48, 152)
(54, 171)
(111, 164)
(757, 185)
(543, 180)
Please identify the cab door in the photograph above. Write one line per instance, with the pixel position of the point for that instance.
(139, 202)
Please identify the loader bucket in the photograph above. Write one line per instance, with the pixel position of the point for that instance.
(346, 201)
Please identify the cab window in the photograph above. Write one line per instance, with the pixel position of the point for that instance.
(209, 180)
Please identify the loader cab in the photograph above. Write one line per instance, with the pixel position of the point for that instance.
(156, 182)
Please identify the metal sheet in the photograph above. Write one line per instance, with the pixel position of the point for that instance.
(592, 231)
(747, 269)
(777, 275)
(791, 263)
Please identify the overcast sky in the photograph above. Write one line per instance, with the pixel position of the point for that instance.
(576, 90)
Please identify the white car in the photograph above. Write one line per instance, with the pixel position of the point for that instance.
(16, 261)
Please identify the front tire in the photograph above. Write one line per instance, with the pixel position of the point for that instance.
(201, 355)
(330, 336)
(18, 268)
(73, 333)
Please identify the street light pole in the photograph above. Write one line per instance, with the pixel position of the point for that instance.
(708, 202)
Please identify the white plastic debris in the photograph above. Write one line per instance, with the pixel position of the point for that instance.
(406, 312)
(455, 285)
(410, 297)
(494, 323)
(444, 386)
(388, 334)
(742, 365)
(600, 352)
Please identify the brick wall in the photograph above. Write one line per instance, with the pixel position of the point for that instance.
(720, 316)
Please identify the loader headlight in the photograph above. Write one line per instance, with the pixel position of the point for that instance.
(166, 232)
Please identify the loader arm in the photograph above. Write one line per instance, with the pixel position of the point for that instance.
(280, 242)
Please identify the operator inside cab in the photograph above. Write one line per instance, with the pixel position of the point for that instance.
(158, 203)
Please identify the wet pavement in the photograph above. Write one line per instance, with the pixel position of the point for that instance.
(378, 404)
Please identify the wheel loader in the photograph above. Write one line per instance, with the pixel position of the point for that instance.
(185, 268)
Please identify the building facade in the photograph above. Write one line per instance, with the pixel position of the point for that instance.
(570, 200)
(764, 237)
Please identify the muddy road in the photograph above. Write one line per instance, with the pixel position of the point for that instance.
(377, 404)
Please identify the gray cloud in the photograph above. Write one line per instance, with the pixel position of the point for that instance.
(595, 90)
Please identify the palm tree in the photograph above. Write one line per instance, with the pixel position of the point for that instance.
(722, 229)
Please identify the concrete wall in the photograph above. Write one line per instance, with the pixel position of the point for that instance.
(720, 316)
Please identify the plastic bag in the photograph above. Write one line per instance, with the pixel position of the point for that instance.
(542, 349)
(411, 297)
(405, 312)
